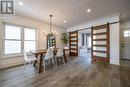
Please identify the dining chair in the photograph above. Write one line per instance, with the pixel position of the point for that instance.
(60, 54)
(49, 57)
(28, 58)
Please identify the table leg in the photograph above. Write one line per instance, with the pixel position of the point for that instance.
(65, 58)
(35, 61)
(40, 63)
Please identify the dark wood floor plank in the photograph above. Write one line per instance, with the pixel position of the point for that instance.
(79, 72)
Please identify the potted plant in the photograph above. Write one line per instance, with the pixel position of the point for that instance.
(64, 39)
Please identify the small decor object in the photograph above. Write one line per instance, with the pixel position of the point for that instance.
(64, 39)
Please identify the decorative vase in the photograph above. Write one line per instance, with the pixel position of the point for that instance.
(65, 46)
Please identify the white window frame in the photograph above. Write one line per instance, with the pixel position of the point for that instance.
(4, 39)
(29, 40)
(22, 40)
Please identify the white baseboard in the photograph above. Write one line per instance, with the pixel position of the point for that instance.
(8, 62)
(9, 65)
(114, 62)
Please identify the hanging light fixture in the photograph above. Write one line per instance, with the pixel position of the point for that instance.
(50, 27)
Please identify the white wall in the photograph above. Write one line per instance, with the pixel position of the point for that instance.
(41, 38)
(114, 35)
(115, 44)
(80, 39)
(123, 26)
(80, 36)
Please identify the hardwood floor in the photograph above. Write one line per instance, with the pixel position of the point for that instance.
(125, 62)
(79, 72)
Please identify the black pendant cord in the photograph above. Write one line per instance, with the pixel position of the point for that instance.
(50, 23)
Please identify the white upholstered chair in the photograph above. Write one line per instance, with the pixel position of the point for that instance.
(49, 57)
(28, 58)
(60, 54)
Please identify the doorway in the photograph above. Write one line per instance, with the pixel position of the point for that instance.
(92, 43)
(125, 47)
(84, 43)
(100, 43)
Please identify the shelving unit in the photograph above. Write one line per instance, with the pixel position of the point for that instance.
(73, 43)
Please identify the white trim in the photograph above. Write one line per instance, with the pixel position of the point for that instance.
(3, 36)
(29, 40)
(11, 64)
(115, 62)
(3, 55)
(18, 25)
(22, 39)
(11, 56)
(124, 27)
(10, 39)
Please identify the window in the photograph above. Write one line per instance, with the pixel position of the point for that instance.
(17, 38)
(29, 39)
(12, 39)
(127, 33)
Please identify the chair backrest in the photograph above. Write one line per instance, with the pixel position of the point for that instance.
(60, 52)
(25, 56)
(49, 54)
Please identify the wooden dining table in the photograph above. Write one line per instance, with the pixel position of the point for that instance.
(39, 55)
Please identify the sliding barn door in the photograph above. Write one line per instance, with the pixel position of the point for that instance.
(100, 43)
(73, 43)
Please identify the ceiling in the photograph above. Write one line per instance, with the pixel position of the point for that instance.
(73, 11)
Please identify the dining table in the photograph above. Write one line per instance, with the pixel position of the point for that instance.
(40, 53)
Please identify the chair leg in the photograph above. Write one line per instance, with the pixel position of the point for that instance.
(63, 60)
(53, 62)
(56, 61)
(28, 64)
(44, 65)
(25, 63)
(49, 62)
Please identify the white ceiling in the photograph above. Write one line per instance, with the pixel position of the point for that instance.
(73, 11)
